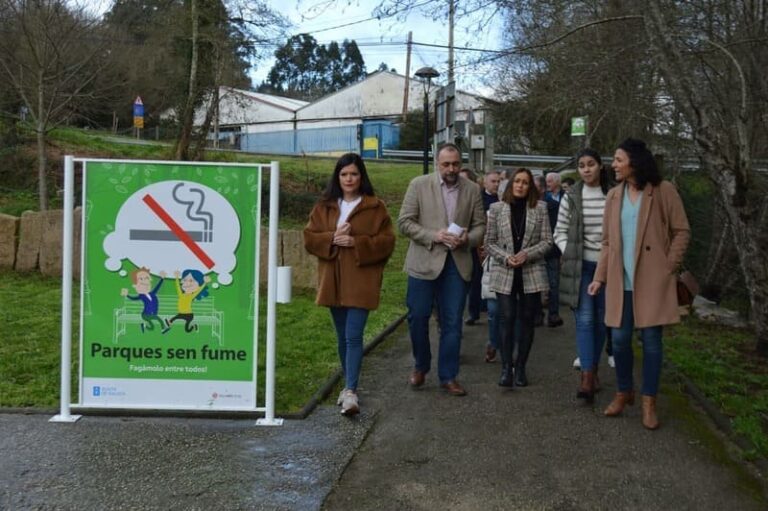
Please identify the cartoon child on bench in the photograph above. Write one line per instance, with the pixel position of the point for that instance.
(192, 286)
(142, 283)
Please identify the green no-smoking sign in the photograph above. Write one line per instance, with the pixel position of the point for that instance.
(170, 285)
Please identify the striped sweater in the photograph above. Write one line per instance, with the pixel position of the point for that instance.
(593, 204)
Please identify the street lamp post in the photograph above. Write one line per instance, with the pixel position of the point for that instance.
(426, 74)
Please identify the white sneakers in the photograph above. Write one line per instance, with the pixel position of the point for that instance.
(348, 402)
(576, 365)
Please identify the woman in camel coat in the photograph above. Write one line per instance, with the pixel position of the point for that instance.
(645, 235)
(351, 234)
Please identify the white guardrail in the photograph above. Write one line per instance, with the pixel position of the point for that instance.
(687, 165)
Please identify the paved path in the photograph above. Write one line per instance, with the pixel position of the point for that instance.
(532, 448)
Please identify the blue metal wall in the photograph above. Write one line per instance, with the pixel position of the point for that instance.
(314, 140)
(387, 133)
(320, 140)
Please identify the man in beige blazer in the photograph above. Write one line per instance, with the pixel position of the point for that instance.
(443, 216)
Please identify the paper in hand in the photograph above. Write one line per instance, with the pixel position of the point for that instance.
(455, 229)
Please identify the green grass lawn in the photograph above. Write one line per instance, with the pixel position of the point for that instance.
(30, 305)
(30, 345)
(721, 362)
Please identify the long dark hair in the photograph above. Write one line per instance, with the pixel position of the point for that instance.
(333, 188)
(533, 192)
(606, 183)
(642, 161)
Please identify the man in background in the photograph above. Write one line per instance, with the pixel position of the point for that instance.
(552, 197)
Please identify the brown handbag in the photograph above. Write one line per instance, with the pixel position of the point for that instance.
(687, 288)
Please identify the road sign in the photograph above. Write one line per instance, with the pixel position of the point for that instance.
(578, 126)
(138, 113)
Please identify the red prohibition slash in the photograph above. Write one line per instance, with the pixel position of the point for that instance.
(178, 231)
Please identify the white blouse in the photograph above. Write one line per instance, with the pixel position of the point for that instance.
(346, 208)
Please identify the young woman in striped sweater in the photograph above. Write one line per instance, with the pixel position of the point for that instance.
(578, 235)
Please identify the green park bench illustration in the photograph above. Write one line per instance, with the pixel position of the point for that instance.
(205, 315)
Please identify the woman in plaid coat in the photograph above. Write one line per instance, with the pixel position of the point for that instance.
(518, 237)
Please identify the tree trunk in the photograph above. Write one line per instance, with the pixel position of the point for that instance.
(729, 161)
(42, 177)
(202, 134)
(42, 185)
(188, 114)
(719, 252)
(747, 236)
(211, 113)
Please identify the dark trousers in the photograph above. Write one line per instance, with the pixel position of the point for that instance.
(553, 274)
(513, 307)
(475, 297)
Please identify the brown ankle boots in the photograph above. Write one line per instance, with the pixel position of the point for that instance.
(650, 419)
(587, 387)
(620, 400)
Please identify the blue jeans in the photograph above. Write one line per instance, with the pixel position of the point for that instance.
(590, 320)
(622, 352)
(493, 323)
(450, 291)
(553, 275)
(350, 325)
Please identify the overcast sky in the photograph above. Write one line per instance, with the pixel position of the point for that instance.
(384, 41)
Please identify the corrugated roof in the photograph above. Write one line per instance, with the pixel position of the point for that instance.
(278, 101)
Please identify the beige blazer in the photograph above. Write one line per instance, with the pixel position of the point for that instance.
(422, 214)
(663, 234)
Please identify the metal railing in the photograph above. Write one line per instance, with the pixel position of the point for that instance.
(552, 163)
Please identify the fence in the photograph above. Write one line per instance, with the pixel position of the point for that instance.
(33, 243)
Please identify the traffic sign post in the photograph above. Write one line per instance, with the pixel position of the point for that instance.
(138, 116)
(578, 126)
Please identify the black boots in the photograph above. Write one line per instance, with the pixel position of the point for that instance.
(507, 376)
(520, 378)
(523, 350)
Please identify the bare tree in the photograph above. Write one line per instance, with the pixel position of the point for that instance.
(50, 54)
(701, 65)
(713, 58)
(224, 37)
(188, 111)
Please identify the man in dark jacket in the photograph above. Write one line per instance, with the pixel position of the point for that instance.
(552, 197)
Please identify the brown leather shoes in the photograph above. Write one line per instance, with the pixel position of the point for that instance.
(490, 353)
(416, 379)
(587, 387)
(650, 419)
(620, 400)
(454, 389)
(596, 383)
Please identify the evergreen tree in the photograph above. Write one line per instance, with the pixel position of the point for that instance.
(307, 70)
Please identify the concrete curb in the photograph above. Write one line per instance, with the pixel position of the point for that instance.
(317, 398)
(722, 422)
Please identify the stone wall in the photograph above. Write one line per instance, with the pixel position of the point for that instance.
(34, 243)
(9, 239)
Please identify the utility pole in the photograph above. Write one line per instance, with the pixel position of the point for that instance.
(451, 10)
(407, 76)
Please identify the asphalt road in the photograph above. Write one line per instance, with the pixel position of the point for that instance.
(534, 448)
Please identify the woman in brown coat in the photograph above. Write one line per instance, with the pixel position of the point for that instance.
(645, 235)
(351, 234)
